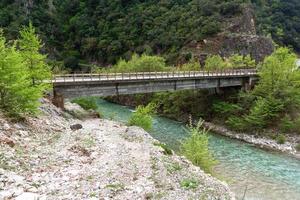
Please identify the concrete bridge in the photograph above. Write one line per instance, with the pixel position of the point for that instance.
(109, 84)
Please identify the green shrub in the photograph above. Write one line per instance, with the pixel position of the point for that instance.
(195, 148)
(192, 65)
(226, 109)
(280, 139)
(263, 112)
(143, 117)
(215, 62)
(236, 123)
(87, 103)
(167, 150)
(143, 63)
(240, 61)
(286, 124)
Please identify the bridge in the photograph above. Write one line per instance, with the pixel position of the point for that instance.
(109, 84)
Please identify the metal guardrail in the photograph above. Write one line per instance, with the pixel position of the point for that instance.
(150, 75)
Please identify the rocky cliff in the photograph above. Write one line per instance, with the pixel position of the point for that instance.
(238, 36)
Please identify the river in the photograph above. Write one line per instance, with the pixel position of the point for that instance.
(249, 171)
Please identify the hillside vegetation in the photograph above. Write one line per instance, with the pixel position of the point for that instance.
(105, 31)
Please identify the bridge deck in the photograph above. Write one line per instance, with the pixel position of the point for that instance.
(69, 78)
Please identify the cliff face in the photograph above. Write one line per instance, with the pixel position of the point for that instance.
(238, 36)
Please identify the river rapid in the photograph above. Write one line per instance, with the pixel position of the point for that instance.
(251, 173)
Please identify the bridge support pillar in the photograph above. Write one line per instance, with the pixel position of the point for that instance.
(58, 100)
(246, 85)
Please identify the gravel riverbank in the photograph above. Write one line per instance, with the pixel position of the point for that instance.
(42, 158)
(258, 141)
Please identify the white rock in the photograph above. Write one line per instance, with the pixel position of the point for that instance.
(5, 194)
(28, 196)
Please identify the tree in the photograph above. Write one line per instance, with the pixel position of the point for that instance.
(30, 45)
(17, 94)
(279, 78)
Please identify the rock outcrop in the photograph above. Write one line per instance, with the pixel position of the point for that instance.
(238, 37)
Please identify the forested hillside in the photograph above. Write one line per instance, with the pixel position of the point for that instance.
(104, 31)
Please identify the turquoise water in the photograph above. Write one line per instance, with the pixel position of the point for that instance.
(262, 174)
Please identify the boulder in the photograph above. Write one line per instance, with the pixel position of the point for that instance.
(75, 127)
(28, 196)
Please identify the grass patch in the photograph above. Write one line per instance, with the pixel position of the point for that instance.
(115, 186)
(88, 142)
(173, 167)
(189, 184)
(87, 103)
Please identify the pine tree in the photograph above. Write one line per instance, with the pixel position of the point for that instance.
(30, 45)
(22, 74)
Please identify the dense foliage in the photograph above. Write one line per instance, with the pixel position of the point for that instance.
(105, 31)
(280, 19)
(22, 68)
(275, 100)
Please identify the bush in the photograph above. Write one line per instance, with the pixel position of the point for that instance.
(193, 65)
(215, 62)
(240, 61)
(195, 148)
(263, 112)
(286, 124)
(143, 63)
(142, 117)
(280, 139)
(236, 123)
(226, 109)
(88, 103)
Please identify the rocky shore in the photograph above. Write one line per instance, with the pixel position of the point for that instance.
(55, 156)
(258, 141)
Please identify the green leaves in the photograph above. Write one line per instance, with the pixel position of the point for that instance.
(195, 148)
(143, 116)
(19, 94)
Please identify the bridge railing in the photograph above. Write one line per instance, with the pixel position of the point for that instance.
(150, 75)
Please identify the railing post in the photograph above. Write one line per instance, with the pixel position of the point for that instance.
(73, 77)
(122, 75)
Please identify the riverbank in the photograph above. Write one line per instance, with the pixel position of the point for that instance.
(259, 140)
(42, 158)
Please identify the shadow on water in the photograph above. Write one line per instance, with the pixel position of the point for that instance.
(266, 175)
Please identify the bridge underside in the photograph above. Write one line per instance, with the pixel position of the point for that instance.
(111, 88)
